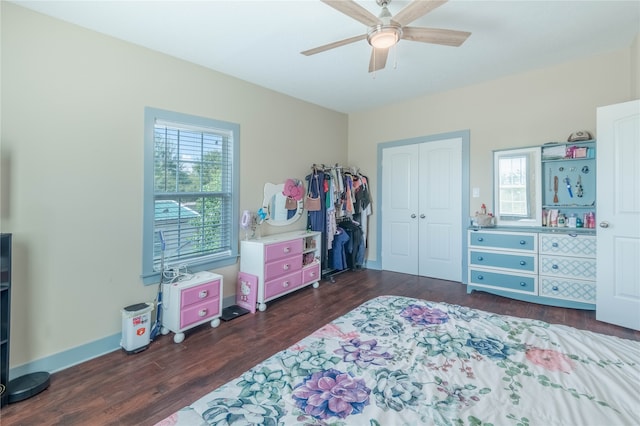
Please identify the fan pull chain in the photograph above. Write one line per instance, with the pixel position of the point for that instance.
(395, 56)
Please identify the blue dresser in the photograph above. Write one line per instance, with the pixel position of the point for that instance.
(552, 268)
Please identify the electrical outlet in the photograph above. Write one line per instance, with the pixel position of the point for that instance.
(476, 192)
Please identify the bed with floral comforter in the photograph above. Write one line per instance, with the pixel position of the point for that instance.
(402, 361)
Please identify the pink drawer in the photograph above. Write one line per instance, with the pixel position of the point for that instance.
(199, 312)
(199, 293)
(311, 273)
(285, 249)
(282, 266)
(282, 285)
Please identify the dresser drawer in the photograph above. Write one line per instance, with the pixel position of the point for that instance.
(311, 273)
(563, 288)
(282, 285)
(504, 241)
(518, 262)
(568, 245)
(570, 267)
(284, 249)
(282, 266)
(525, 283)
(199, 293)
(199, 312)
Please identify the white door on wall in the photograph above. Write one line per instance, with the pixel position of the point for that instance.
(618, 221)
(421, 209)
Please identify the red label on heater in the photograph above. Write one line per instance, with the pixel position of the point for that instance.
(141, 331)
(137, 320)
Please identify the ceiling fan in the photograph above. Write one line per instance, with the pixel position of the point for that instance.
(385, 30)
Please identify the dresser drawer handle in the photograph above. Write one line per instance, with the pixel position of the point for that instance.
(285, 284)
(312, 274)
(523, 284)
(203, 294)
(554, 288)
(285, 267)
(554, 267)
(522, 262)
(480, 258)
(522, 242)
(480, 277)
(202, 313)
(287, 249)
(480, 239)
(554, 245)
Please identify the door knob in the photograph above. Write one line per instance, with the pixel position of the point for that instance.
(413, 216)
(604, 224)
(422, 216)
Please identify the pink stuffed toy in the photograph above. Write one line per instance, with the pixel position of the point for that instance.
(293, 189)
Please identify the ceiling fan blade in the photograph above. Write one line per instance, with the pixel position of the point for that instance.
(378, 59)
(334, 45)
(415, 10)
(435, 36)
(354, 10)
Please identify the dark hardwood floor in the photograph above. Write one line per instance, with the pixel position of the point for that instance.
(142, 389)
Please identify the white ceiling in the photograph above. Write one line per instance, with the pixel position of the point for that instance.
(260, 41)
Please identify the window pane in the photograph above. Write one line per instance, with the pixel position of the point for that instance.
(513, 186)
(193, 198)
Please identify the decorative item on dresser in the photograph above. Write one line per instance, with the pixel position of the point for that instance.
(192, 301)
(282, 263)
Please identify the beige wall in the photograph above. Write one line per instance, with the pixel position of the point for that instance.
(72, 144)
(520, 110)
(635, 68)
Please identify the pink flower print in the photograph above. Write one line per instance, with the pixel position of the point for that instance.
(331, 393)
(424, 315)
(550, 360)
(332, 330)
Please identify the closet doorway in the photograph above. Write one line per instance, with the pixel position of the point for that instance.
(424, 204)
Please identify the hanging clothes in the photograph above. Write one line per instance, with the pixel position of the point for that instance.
(345, 203)
(315, 185)
(338, 253)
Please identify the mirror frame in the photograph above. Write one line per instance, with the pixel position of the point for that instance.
(534, 187)
(270, 191)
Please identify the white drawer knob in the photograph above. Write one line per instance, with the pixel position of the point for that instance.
(287, 249)
(203, 294)
(285, 266)
(285, 284)
(202, 313)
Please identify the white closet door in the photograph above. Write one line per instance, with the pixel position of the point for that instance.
(400, 208)
(618, 216)
(421, 209)
(440, 209)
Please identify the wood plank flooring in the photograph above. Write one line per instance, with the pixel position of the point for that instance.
(142, 389)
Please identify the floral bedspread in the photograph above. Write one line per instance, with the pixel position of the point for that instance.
(403, 361)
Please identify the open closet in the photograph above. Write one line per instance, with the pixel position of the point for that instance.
(338, 204)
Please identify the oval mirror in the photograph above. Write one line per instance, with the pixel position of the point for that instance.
(275, 204)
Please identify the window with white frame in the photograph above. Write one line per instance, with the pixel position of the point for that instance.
(190, 193)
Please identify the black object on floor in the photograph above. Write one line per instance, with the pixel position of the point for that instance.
(233, 311)
(27, 386)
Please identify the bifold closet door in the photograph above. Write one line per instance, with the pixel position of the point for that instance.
(421, 209)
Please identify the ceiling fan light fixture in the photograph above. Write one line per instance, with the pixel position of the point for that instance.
(383, 37)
